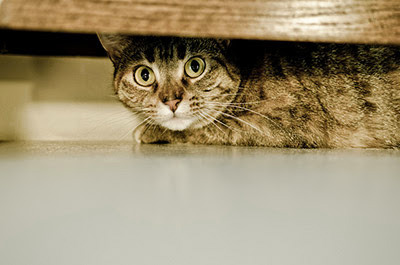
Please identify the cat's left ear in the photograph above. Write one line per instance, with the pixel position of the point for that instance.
(114, 44)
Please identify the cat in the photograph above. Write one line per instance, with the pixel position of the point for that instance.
(258, 93)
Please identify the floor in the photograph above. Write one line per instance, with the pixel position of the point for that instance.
(117, 203)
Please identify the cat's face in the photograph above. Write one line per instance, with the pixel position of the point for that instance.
(177, 83)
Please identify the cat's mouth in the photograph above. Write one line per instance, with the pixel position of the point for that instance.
(176, 119)
(177, 123)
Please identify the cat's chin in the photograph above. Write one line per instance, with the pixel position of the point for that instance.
(177, 124)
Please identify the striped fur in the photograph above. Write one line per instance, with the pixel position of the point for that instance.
(301, 95)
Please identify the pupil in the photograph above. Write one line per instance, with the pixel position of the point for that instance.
(145, 75)
(195, 66)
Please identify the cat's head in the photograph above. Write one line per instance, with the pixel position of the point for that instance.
(178, 83)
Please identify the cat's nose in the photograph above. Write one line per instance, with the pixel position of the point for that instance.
(173, 104)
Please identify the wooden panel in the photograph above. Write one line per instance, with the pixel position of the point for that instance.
(360, 21)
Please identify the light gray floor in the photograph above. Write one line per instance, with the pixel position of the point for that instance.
(114, 203)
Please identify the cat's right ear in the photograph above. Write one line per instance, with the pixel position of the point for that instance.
(114, 44)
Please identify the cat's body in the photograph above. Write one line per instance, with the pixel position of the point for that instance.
(261, 93)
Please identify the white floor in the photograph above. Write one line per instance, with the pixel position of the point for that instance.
(114, 203)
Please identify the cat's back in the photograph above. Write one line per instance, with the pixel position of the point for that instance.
(345, 95)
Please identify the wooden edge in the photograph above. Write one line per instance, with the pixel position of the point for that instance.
(356, 21)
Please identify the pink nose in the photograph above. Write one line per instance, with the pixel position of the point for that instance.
(173, 104)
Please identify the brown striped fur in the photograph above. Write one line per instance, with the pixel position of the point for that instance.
(279, 94)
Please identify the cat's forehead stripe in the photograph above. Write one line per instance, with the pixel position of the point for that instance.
(181, 51)
(166, 51)
(149, 54)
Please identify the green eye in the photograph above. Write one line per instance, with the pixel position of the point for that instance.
(144, 76)
(195, 67)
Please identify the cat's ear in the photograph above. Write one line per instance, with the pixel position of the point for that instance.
(225, 43)
(114, 44)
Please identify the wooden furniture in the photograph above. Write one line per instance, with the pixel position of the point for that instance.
(350, 21)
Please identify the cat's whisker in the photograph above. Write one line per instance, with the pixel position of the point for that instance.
(212, 120)
(241, 120)
(97, 121)
(201, 118)
(154, 125)
(144, 121)
(147, 126)
(224, 124)
(165, 130)
(122, 137)
(130, 131)
(96, 117)
(119, 118)
(266, 117)
(239, 103)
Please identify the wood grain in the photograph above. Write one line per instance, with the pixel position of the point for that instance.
(355, 21)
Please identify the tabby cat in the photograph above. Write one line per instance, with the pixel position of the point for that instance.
(256, 93)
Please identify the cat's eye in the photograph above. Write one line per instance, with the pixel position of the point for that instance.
(195, 67)
(144, 76)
